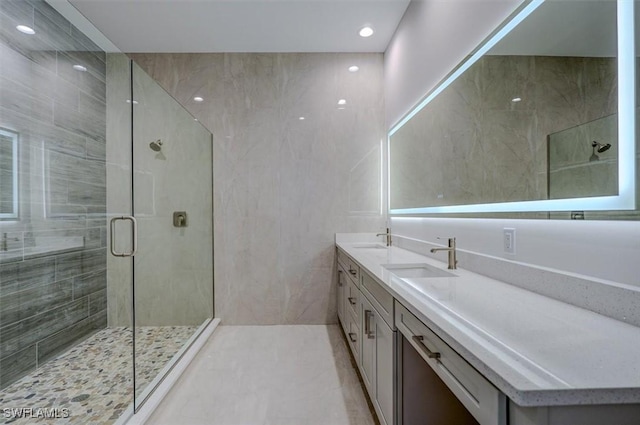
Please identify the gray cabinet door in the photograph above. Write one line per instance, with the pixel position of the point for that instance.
(368, 353)
(384, 370)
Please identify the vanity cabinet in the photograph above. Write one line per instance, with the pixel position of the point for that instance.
(377, 360)
(365, 311)
(348, 302)
(452, 391)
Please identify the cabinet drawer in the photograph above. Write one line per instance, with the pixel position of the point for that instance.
(350, 266)
(352, 297)
(379, 297)
(353, 336)
(479, 396)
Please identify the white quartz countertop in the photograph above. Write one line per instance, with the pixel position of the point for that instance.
(536, 350)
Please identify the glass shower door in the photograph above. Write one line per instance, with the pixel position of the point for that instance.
(173, 265)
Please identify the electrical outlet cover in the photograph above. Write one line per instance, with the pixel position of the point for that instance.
(509, 240)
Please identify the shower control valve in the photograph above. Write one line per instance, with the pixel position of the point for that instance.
(179, 219)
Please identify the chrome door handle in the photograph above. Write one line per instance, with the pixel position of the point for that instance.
(431, 354)
(352, 336)
(134, 236)
(367, 325)
(351, 301)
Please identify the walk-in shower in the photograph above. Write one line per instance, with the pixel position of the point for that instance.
(85, 334)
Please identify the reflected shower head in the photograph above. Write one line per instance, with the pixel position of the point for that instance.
(157, 145)
(600, 147)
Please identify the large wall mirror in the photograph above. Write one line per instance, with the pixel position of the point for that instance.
(539, 121)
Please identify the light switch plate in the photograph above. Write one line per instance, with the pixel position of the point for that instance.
(509, 240)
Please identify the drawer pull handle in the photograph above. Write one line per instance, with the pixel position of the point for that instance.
(353, 272)
(352, 336)
(339, 277)
(431, 354)
(367, 324)
(352, 301)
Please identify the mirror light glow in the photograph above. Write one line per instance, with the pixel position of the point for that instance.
(625, 200)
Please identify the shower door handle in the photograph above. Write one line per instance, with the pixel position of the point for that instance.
(134, 236)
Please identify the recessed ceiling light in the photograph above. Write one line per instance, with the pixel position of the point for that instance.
(366, 32)
(135, 102)
(80, 68)
(301, 118)
(342, 102)
(516, 99)
(353, 68)
(25, 29)
(198, 99)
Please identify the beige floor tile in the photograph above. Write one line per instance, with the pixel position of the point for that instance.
(280, 375)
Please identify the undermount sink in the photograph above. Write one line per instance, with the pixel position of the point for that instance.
(369, 246)
(416, 271)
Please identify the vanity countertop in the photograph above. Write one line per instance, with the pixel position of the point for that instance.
(536, 350)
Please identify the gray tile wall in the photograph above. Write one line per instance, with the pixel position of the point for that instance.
(49, 300)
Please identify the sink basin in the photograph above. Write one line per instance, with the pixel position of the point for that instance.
(416, 271)
(369, 246)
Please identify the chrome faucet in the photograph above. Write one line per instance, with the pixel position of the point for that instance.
(388, 235)
(452, 253)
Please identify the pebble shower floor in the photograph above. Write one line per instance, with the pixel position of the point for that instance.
(93, 381)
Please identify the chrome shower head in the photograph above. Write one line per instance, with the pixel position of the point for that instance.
(600, 147)
(156, 146)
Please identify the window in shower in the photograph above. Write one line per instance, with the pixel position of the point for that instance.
(8, 175)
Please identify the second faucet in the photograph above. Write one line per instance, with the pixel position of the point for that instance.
(452, 253)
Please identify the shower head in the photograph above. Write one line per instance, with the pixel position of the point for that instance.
(600, 147)
(157, 145)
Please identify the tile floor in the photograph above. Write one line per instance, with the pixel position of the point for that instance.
(262, 375)
(94, 378)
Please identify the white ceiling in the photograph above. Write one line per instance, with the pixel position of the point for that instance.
(244, 25)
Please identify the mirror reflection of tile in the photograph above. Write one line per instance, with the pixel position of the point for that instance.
(494, 144)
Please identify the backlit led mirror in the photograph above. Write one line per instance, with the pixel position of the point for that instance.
(540, 118)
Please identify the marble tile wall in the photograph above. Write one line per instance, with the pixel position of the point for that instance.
(53, 270)
(283, 186)
(496, 149)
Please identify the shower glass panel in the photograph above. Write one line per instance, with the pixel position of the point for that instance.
(58, 354)
(76, 321)
(172, 187)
